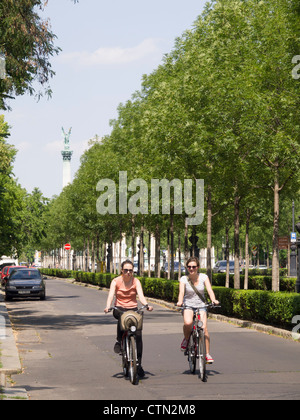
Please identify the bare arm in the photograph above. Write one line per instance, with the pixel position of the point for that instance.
(111, 295)
(210, 291)
(140, 293)
(181, 294)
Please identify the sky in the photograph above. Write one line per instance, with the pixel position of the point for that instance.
(106, 48)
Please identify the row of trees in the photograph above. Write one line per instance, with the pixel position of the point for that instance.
(223, 107)
(22, 214)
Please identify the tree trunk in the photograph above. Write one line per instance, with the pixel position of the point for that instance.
(227, 257)
(172, 242)
(275, 259)
(132, 239)
(142, 251)
(186, 242)
(237, 242)
(208, 236)
(247, 250)
(179, 255)
(149, 254)
(157, 252)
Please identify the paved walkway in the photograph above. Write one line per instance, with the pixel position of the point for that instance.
(10, 361)
(9, 357)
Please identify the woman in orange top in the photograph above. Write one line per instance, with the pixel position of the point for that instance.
(126, 288)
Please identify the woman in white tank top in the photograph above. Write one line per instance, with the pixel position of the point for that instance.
(188, 297)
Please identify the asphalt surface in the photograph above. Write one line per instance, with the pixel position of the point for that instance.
(66, 349)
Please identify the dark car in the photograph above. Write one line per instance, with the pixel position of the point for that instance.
(220, 267)
(176, 267)
(24, 283)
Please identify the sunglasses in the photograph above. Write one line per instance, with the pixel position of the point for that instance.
(126, 270)
(192, 267)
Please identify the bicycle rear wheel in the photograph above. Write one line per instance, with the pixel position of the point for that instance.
(192, 353)
(132, 360)
(202, 356)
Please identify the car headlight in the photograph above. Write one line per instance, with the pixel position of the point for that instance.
(11, 288)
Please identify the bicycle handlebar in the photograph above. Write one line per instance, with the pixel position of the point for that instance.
(208, 306)
(118, 309)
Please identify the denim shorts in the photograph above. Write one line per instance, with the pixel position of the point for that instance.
(195, 309)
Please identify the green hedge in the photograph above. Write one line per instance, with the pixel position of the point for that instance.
(272, 308)
(97, 279)
(255, 282)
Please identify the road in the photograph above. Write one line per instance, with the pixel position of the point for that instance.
(66, 348)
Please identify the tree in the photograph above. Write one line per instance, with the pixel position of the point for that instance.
(27, 43)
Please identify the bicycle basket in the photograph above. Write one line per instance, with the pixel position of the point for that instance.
(131, 319)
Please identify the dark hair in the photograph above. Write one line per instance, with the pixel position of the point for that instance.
(194, 259)
(126, 262)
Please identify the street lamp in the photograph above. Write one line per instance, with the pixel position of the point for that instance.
(298, 246)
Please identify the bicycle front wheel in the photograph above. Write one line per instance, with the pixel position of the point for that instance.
(125, 352)
(202, 356)
(132, 360)
(192, 353)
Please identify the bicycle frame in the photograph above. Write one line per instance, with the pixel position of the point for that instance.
(196, 348)
(129, 351)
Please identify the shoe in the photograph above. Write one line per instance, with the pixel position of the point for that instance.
(140, 372)
(209, 359)
(117, 347)
(183, 345)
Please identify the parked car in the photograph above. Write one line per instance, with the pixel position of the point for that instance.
(3, 265)
(3, 273)
(24, 283)
(176, 267)
(220, 267)
(7, 271)
(262, 267)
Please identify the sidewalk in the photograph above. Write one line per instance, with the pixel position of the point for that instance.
(9, 357)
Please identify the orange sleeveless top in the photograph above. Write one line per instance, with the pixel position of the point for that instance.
(126, 298)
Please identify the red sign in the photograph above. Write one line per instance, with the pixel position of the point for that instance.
(68, 247)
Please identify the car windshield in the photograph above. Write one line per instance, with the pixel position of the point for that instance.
(224, 263)
(25, 275)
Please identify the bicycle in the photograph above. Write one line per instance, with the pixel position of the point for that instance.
(196, 347)
(130, 322)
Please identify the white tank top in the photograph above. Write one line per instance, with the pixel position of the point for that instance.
(190, 297)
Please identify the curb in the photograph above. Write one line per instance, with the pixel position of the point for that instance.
(267, 329)
(9, 355)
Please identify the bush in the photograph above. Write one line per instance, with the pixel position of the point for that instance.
(256, 282)
(273, 308)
